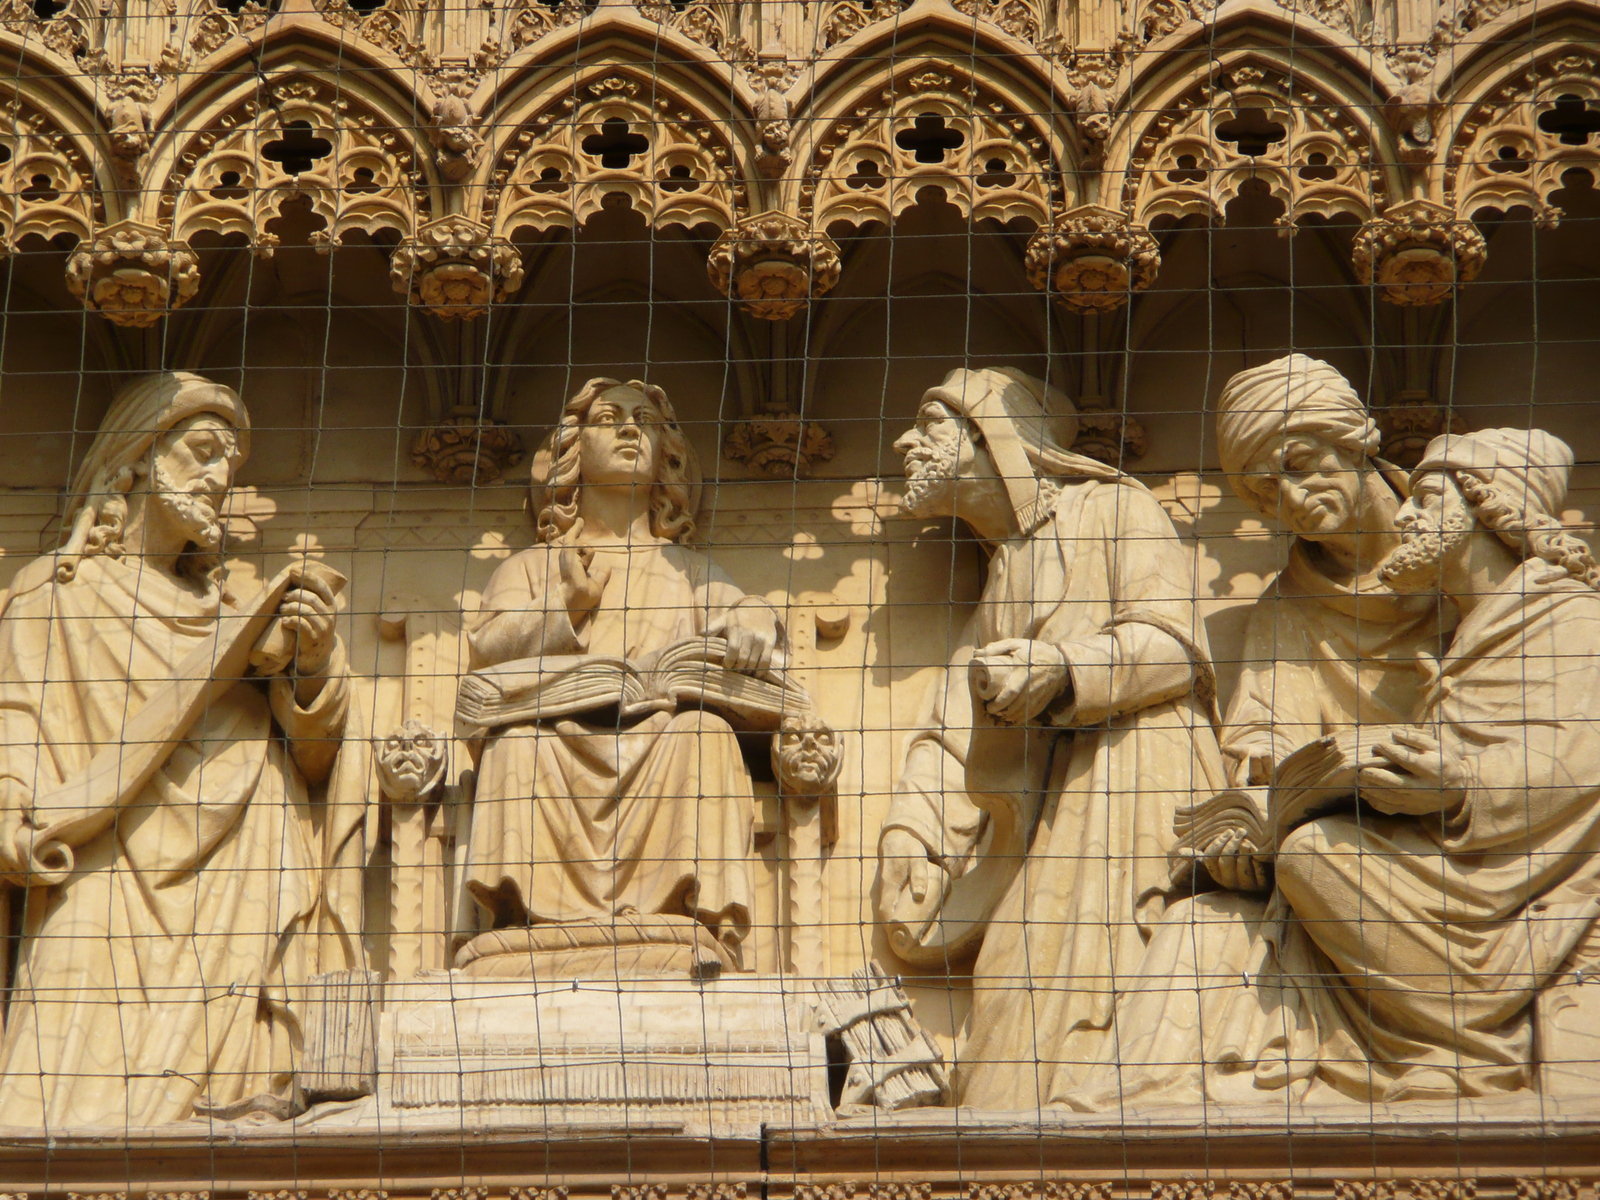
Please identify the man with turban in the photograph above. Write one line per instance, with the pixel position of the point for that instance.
(166, 935)
(1328, 644)
(1408, 935)
(1035, 808)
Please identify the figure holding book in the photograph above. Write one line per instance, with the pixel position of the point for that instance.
(1329, 645)
(159, 740)
(1407, 938)
(1034, 810)
(609, 659)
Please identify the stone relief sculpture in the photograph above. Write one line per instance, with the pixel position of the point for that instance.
(613, 806)
(159, 746)
(1057, 749)
(1328, 644)
(1401, 949)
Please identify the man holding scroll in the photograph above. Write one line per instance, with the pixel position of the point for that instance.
(154, 801)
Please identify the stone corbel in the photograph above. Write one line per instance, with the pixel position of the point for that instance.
(774, 265)
(132, 274)
(455, 268)
(1417, 252)
(465, 448)
(1411, 416)
(1091, 259)
(778, 445)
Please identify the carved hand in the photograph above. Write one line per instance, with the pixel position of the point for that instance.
(1017, 678)
(1231, 862)
(582, 584)
(905, 864)
(1426, 778)
(307, 614)
(752, 633)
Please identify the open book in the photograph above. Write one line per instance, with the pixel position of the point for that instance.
(685, 674)
(1317, 777)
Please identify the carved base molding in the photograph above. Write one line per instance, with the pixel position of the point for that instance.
(927, 1154)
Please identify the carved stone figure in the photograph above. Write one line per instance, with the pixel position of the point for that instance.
(1035, 807)
(1328, 644)
(146, 784)
(806, 756)
(410, 763)
(589, 816)
(1423, 924)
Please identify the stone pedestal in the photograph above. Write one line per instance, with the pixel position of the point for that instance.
(719, 1058)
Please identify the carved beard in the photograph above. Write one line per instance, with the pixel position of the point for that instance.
(1414, 565)
(193, 509)
(927, 472)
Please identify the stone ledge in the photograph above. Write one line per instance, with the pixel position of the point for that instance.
(918, 1155)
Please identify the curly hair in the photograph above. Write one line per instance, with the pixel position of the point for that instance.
(1529, 532)
(673, 495)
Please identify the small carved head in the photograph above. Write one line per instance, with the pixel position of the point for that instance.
(410, 762)
(612, 432)
(806, 755)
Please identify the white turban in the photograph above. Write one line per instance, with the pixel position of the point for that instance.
(1529, 465)
(1294, 394)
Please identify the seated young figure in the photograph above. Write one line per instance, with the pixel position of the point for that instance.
(592, 817)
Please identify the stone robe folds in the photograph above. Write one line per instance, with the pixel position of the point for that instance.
(1107, 581)
(1320, 657)
(1400, 956)
(577, 820)
(159, 977)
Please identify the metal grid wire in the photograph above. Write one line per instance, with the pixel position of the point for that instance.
(612, 946)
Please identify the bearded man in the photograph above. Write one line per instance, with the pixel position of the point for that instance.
(1328, 645)
(1035, 807)
(1400, 954)
(1472, 873)
(582, 818)
(165, 937)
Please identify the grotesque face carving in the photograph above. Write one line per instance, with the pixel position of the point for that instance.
(191, 470)
(410, 762)
(938, 450)
(1433, 524)
(806, 756)
(1312, 486)
(621, 440)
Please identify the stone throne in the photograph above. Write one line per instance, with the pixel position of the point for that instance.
(641, 1014)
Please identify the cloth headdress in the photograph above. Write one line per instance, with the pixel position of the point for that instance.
(1027, 426)
(141, 412)
(1529, 465)
(1292, 394)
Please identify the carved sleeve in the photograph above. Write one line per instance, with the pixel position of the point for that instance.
(316, 731)
(26, 764)
(930, 798)
(1530, 765)
(1153, 649)
(523, 614)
